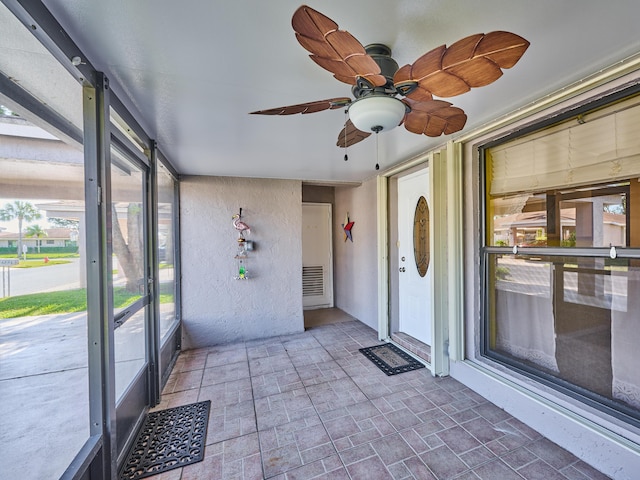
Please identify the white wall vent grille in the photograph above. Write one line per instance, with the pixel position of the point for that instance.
(312, 281)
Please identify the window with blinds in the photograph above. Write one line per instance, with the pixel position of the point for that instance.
(567, 316)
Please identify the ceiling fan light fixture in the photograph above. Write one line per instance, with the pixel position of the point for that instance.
(376, 113)
(474, 61)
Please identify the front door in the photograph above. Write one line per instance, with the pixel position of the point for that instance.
(415, 275)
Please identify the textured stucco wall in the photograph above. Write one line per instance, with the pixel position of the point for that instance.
(318, 194)
(356, 266)
(217, 309)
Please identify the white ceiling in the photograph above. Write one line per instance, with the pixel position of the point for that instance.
(195, 68)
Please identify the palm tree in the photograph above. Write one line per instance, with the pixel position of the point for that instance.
(22, 211)
(36, 231)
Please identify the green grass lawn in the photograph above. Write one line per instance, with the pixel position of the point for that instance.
(65, 301)
(39, 263)
(40, 256)
(36, 260)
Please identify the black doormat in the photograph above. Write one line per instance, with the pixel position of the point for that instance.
(168, 439)
(390, 359)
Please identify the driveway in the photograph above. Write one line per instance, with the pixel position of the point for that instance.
(44, 394)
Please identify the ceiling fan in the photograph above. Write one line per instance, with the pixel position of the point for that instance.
(376, 80)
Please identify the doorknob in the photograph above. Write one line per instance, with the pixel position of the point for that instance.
(401, 269)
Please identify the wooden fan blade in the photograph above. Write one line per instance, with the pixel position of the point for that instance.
(310, 107)
(334, 50)
(311, 23)
(352, 135)
(474, 61)
(493, 46)
(433, 118)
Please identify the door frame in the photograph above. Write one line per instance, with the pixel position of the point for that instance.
(143, 390)
(446, 234)
(329, 273)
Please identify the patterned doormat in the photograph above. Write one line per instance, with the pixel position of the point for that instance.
(168, 439)
(390, 359)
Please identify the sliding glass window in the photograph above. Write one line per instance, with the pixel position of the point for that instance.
(561, 256)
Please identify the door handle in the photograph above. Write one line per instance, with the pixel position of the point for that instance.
(401, 269)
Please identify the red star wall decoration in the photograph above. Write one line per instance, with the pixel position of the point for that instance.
(347, 226)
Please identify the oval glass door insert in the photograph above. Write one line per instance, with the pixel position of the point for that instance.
(421, 236)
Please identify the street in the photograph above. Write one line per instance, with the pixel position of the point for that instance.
(42, 279)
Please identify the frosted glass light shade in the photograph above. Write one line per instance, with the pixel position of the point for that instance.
(376, 113)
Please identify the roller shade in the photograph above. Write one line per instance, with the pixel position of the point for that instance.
(606, 147)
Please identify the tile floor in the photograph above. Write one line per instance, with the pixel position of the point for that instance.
(311, 406)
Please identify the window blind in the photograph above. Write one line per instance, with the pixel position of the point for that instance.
(598, 147)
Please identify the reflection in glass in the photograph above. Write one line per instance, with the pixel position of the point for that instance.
(584, 217)
(574, 319)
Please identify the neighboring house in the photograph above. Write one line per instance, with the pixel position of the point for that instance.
(55, 238)
(8, 239)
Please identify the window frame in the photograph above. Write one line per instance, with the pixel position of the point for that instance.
(591, 399)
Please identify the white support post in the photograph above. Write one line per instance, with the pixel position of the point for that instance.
(455, 278)
(383, 258)
(439, 262)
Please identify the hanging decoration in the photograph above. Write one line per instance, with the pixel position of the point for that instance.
(243, 246)
(239, 225)
(347, 226)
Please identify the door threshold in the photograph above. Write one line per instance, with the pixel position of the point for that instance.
(413, 345)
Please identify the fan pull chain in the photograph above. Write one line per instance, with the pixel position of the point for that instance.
(377, 153)
(346, 119)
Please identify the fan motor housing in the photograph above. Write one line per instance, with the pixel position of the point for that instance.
(381, 54)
